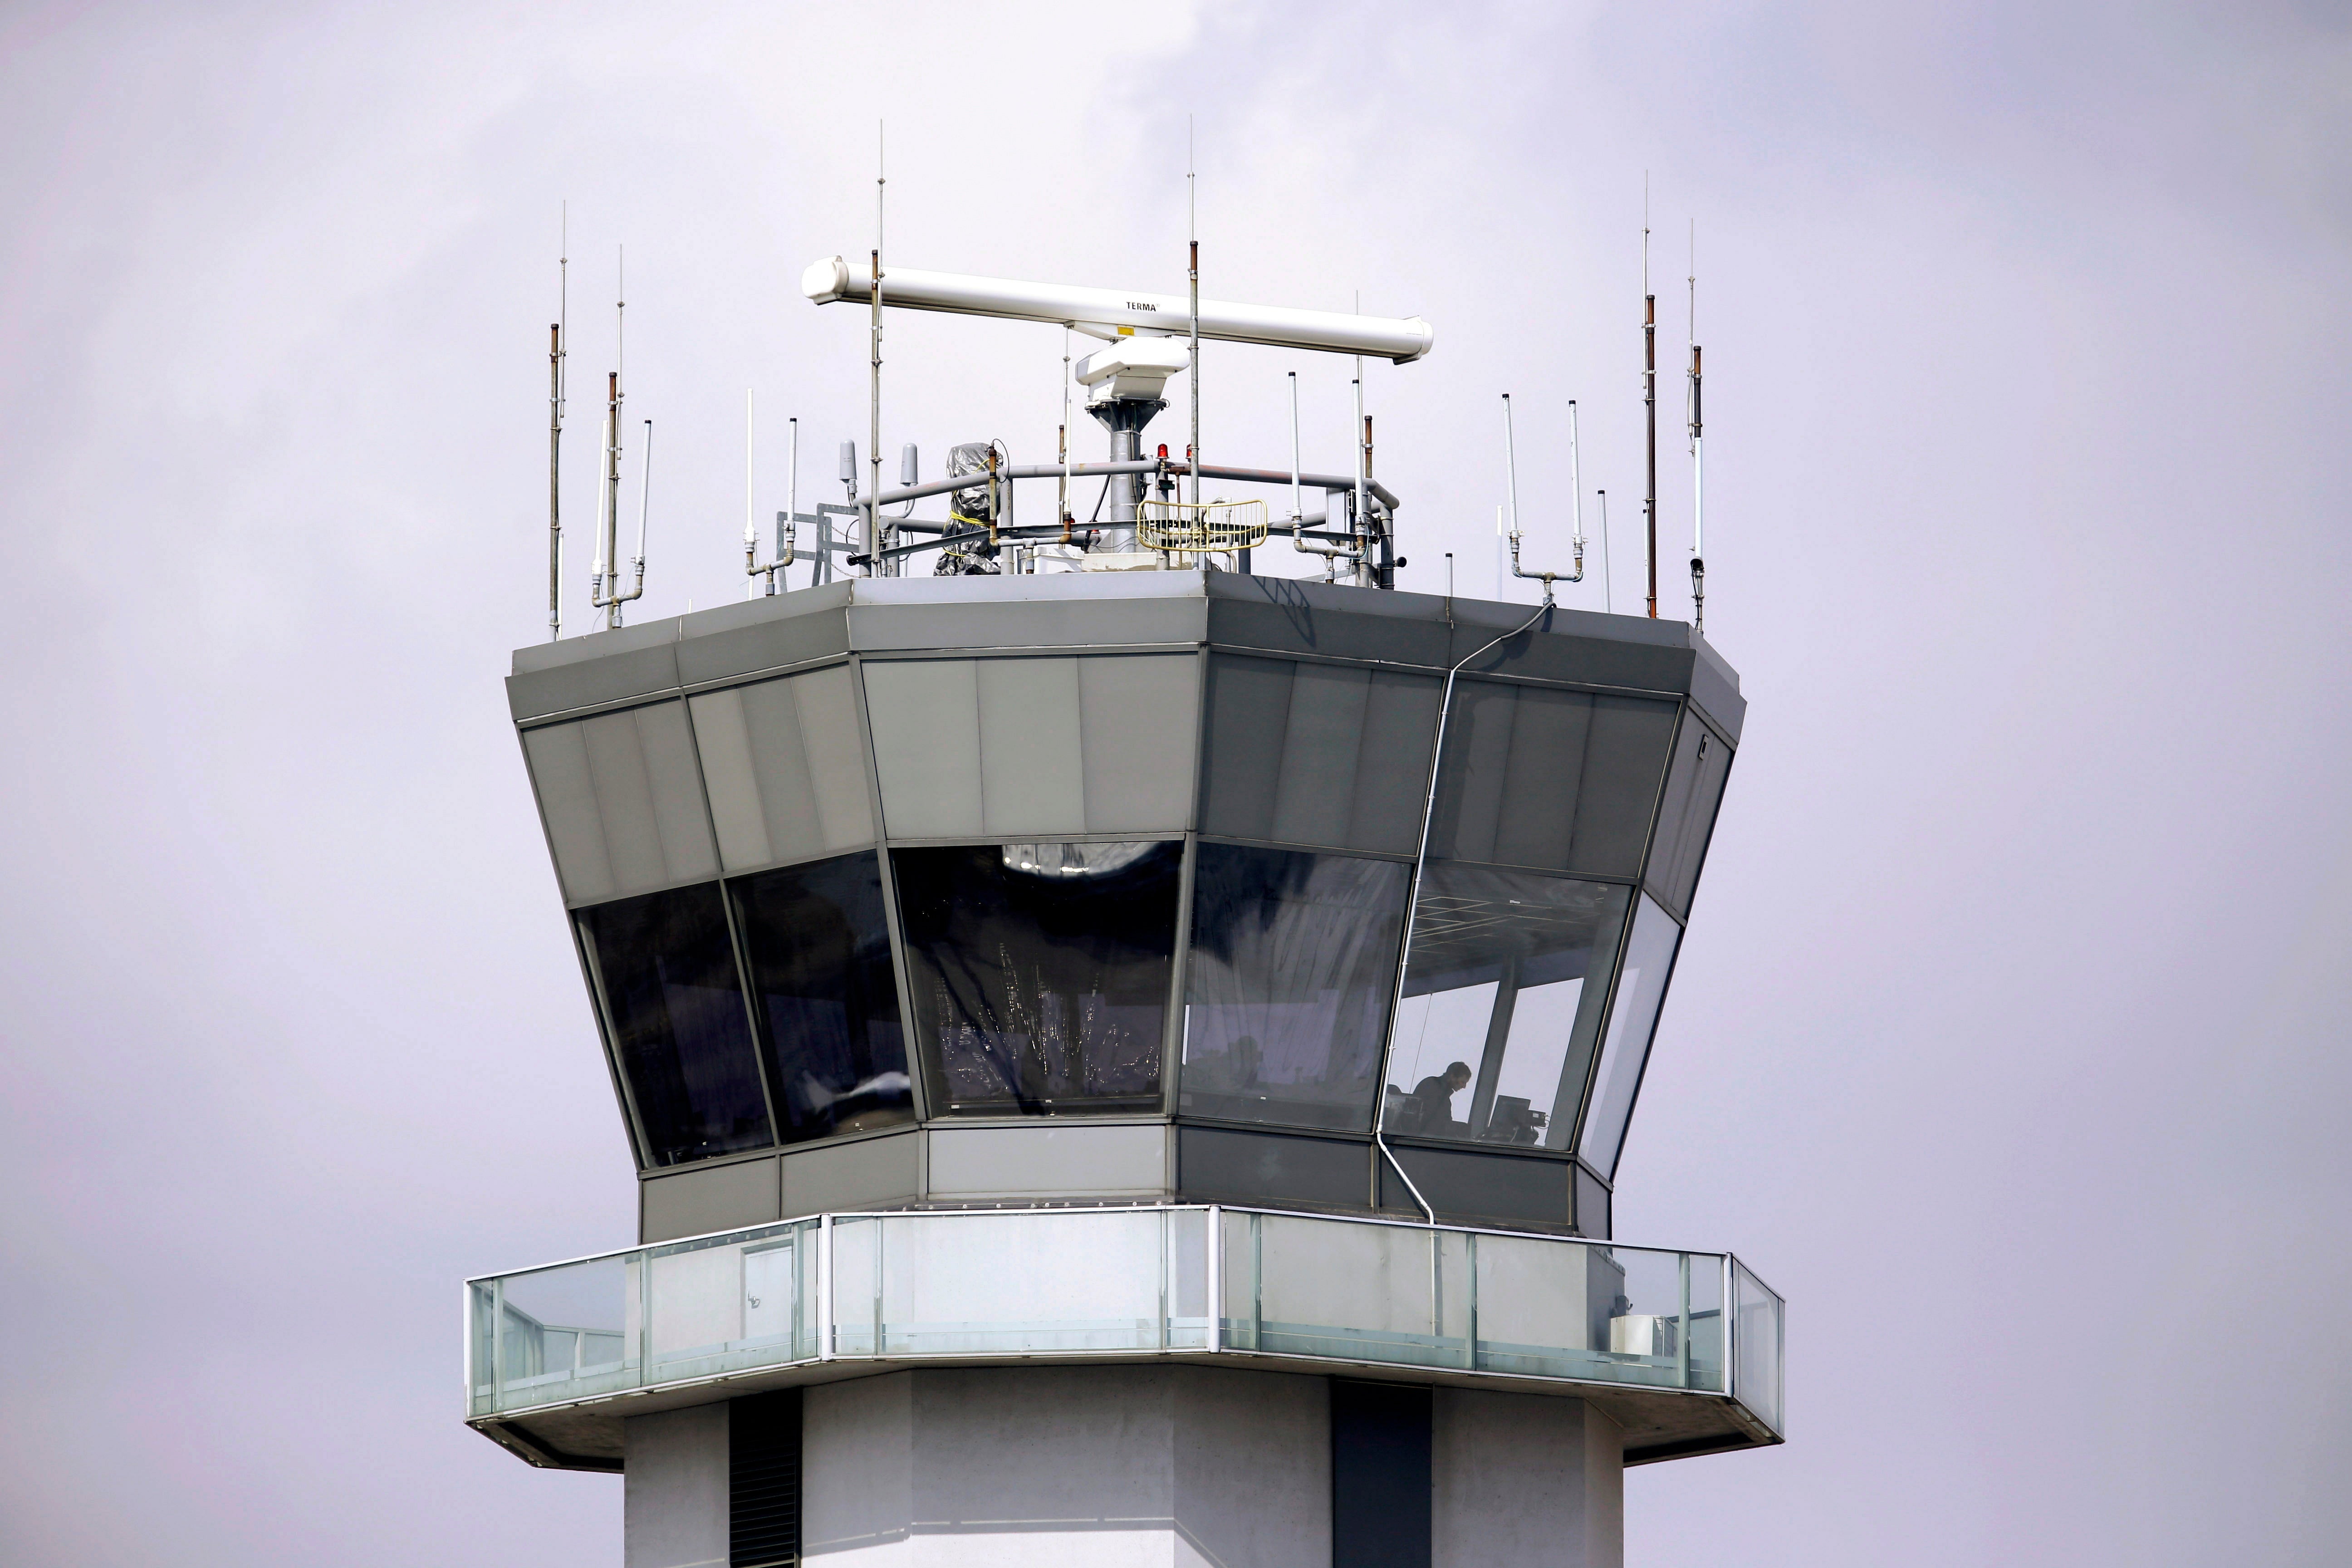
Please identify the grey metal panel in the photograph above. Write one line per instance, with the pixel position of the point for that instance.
(1283, 614)
(1625, 763)
(764, 633)
(1686, 813)
(1715, 687)
(835, 751)
(1031, 771)
(1089, 622)
(1272, 1167)
(868, 1173)
(645, 789)
(785, 772)
(1392, 774)
(975, 1161)
(1463, 1184)
(1477, 761)
(557, 758)
(925, 715)
(1317, 787)
(1249, 717)
(1139, 722)
(1548, 732)
(607, 677)
(1591, 1206)
(624, 801)
(674, 776)
(695, 1201)
(674, 1489)
(725, 749)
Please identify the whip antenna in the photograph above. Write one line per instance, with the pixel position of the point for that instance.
(1698, 456)
(555, 428)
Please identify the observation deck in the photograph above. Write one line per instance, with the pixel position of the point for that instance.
(1681, 1350)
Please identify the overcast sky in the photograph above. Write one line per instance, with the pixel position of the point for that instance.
(2009, 1039)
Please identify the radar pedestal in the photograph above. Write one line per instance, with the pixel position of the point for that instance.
(1056, 1146)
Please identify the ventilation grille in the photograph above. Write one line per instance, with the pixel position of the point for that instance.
(763, 1476)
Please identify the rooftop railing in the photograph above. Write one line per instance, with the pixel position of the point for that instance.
(1123, 1283)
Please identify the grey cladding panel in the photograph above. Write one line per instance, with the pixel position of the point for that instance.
(697, 1202)
(1561, 780)
(1032, 623)
(1316, 791)
(1249, 712)
(1624, 762)
(1335, 755)
(575, 832)
(786, 772)
(925, 715)
(1139, 714)
(1032, 775)
(1461, 1184)
(624, 801)
(610, 679)
(1392, 780)
(1686, 813)
(856, 1175)
(1216, 1162)
(770, 645)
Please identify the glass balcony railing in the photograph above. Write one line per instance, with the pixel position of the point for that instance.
(976, 1285)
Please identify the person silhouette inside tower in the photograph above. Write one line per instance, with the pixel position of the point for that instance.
(1432, 1098)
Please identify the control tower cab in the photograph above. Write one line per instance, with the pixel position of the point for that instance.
(1066, 1082)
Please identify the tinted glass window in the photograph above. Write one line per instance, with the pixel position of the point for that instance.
(826, 1000)
(1293, 964)
(1503, 995)
(675, 1009)
(1649, 961)
(1040, 972)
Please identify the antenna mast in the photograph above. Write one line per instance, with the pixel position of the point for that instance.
(871, 544)
(750, 518)
(1698, 458)
(604, 581)
(555, 431)
(1650, 396)
(1193, 223)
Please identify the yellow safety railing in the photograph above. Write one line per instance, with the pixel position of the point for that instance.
(1202, 528)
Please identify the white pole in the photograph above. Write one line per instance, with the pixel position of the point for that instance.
(1575, 481)
(1297, 510)
(645, 494)
(1511, 468)
(792, 495)
(750, 518)
(1193, 376)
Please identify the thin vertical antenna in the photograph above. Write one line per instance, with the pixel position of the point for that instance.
(789, 534)
(1698, 456)
(872, 544)
(555, 430)
(750, 518)
(1065, 436)
(1362, 519)
(1575, 490)
(1297, 511)
(645, 495)
(1608, 598)
(1650, 396)
(1192, 226)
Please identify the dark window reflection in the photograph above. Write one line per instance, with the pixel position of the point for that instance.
(1503, 995)
(826, 999)
(1293, 965)
(676, 1011)
(1040, 972)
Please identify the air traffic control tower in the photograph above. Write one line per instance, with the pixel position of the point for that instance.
(1115, 1079)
